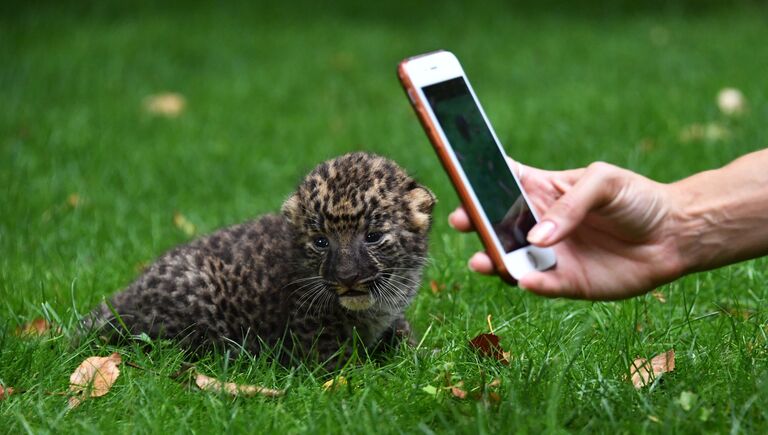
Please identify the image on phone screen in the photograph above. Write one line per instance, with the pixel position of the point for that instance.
(482, 161)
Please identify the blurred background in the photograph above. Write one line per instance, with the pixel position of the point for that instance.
(129, 127)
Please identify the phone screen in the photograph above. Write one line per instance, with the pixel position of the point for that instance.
(482, 160)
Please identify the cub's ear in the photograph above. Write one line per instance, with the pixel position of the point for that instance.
(290, 208)
(421, 201)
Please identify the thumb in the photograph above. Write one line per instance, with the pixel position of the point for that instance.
(593, 190)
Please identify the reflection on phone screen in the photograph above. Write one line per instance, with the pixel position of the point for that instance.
(483, 162)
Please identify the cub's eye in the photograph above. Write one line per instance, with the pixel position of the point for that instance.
(373, 237)
(321, 242)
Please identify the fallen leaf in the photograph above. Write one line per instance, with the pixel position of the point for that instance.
(74, 200)
(643, 372)
(182, 223)
(711, 132)
(742, 313)
(659, 297)
(730, 101)
(494, 397)
(458, 393)
(494, 383)
(646, 145)
(93, 378)
(488, 345)
(168, 104)
(435, 287)
(35, 328)
(5, 392)
(335, 383)
(212, 384)
(507, 356)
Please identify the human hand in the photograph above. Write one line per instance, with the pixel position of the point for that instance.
(612, 230)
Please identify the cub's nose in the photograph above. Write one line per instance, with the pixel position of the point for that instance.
(347, 278)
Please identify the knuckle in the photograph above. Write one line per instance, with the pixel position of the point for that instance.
(610, 176)
(601, 168)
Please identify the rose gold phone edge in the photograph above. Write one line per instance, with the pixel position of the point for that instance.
(466, 198)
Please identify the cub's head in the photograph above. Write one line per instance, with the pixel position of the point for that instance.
(362, 223)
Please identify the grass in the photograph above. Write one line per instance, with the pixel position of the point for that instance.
(273, 90)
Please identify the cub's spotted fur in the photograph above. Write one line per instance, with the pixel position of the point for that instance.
(343, 259)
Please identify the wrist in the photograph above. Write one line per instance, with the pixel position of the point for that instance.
(720, 216)
(694, 228)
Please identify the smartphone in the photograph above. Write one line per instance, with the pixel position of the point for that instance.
(475, 161)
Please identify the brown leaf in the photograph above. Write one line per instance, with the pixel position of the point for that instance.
(5, 392)
(182, 223)
(435, 287)
(457, 392)
(168, 104)
(212, 384)
(659, 297)
(488, 345)
(74, 200)
(494, 397)
(93, 378)
(35, 328)
(643, 372)
(494, 383)
(711, 132)
(742, 313)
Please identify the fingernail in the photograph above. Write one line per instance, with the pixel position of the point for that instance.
(541, 232)
(471, 260)
(450, 219)
(469, 265)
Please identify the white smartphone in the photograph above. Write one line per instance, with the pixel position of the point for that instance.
(475, 161)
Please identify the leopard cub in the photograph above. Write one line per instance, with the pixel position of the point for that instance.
(343, 259)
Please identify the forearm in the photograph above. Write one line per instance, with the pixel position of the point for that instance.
(721, 216)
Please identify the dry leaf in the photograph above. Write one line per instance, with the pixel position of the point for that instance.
(74, 200)
(730, 101)
(643, 372)
(488, 345)
(335, 383)
(36, 328)
(494, 383)
(742, 313)
(93, 378)
(5, 392)
(458, 392)
(182, 223)
(167, 104)
(494, 397)
(711, 132)
(435, 287)
(212, 384)
(659, 297)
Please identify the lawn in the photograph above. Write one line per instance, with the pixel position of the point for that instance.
(90, 182)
